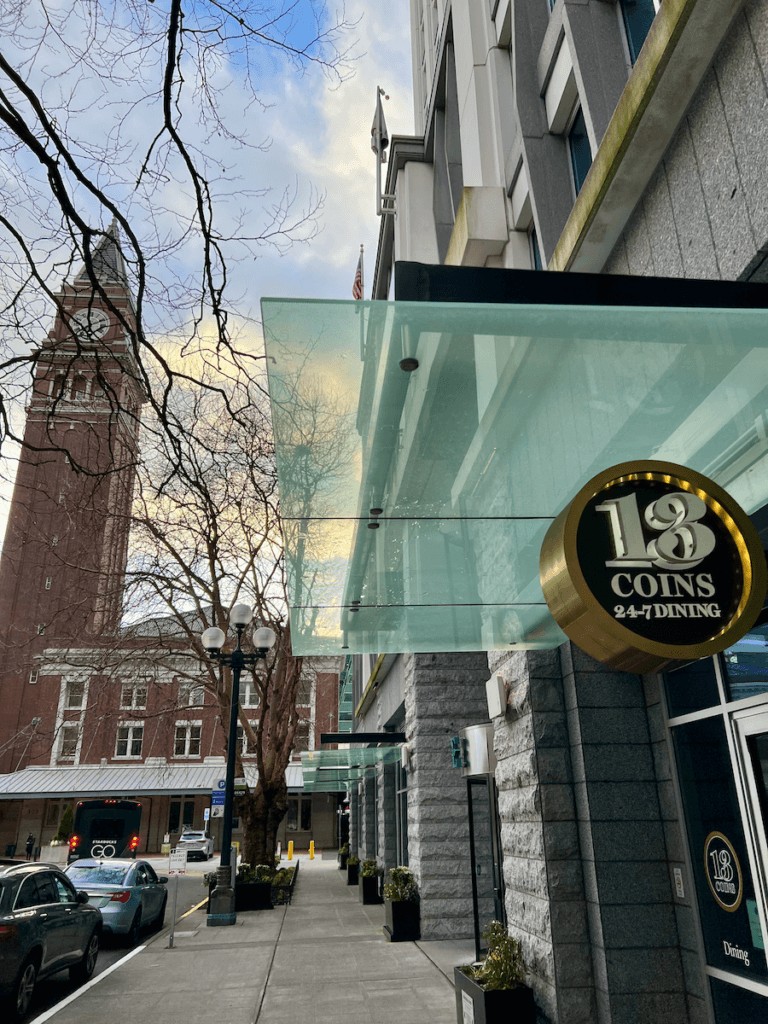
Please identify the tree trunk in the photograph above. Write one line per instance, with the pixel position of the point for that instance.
(264, 808)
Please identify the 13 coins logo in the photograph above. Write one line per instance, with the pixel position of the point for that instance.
(651, 563)
(723, 871)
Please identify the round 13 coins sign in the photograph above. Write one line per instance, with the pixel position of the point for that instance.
(723, 871)
(651, 563)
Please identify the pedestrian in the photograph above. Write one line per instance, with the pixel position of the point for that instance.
(30, 846)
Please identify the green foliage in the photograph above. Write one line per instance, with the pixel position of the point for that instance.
(503, 966)
(369, 869)
(344, 850)
(401, 886)
(259, 873)
(65, 825)
(284, 876)
(353, 861)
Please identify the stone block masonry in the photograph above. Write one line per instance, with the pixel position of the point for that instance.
(444, 693)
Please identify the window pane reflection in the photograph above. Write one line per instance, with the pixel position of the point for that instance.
(746, 664)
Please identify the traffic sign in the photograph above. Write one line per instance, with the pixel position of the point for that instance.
(221, 784)
(217, 811)
(206, 813)
(217, 799)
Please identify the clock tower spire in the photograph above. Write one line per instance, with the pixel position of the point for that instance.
(63, 562)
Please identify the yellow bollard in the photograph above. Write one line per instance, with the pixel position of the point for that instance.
(290, 850)
(312, 849)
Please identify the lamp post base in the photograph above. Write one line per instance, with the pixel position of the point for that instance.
(221, 905)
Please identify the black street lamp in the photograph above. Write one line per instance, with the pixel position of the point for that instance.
(221, 909)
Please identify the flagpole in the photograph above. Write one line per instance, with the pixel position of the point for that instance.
(362, 289)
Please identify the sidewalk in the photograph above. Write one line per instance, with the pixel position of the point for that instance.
(323, 959)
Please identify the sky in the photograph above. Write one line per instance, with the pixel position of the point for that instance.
(316, 143)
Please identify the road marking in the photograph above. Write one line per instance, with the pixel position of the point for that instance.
(188, 912)
(78, 992)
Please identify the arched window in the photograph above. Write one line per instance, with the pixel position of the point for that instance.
(79, 389)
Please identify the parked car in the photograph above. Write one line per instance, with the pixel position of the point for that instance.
(197, 844)
(128, 893)
(46, 925)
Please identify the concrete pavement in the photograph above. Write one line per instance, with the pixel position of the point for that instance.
(324, 959)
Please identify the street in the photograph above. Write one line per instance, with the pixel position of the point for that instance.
(50, 992)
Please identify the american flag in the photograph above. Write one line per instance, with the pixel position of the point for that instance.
(357, 284)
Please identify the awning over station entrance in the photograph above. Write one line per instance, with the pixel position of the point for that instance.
(423, 449)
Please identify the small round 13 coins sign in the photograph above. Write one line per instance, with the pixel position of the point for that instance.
(723, 871)
(651, 563)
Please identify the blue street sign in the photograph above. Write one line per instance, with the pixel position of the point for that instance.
(217, 798)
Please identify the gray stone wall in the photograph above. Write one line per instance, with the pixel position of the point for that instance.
(443, 694)
(705, 212)
(590, 837)
(368, 814)
(386, 853)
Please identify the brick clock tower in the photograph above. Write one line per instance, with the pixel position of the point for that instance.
(63, 561)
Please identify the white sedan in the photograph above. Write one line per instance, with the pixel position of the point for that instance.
(197, 844)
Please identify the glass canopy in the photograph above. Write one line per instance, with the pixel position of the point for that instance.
(329, 771)
(424, 448)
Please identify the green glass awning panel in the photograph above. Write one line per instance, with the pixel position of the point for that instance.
(330, 771)
(460, 464)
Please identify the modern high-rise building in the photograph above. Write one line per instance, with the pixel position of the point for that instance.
(616, 820)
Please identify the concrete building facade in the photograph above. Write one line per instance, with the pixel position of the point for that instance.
(615, 138)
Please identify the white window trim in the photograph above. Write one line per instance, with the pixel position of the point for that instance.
(130, 726)
(187, 725)
(75, 756)
(252, 693)
(244, 752)
(134, 686)
(70, 718)
(186, 692)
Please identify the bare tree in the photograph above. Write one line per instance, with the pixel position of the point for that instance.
(130, 118)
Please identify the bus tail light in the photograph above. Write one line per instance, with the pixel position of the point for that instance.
(74, 842)
(134, 844)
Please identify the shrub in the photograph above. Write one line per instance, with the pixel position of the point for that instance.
(369, 869)
(503, 966)
(344, 850)
(283, 877)
(259, 873)
(352, 861)
(401, 886)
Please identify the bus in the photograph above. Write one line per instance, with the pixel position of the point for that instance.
(105, 829)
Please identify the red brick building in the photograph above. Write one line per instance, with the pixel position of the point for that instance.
(88, 708)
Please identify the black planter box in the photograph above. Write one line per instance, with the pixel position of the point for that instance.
(352, 873)
(401, 921)
(253, 896)
(369, 889)
(249, 895)
(499, 1006)
(343, 861)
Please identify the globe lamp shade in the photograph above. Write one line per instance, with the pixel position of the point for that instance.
(213, 638)
(241, 615)
(264, 638)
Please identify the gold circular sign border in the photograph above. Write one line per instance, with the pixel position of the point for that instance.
(729, 844)
(584, 620)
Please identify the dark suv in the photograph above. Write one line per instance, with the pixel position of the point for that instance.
(46, 925)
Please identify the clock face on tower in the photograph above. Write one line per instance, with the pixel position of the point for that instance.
(90, 324)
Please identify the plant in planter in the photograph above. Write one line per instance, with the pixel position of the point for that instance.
(353, 865)
(369, 882)
(401, 906)
(493, 991)
(253, 887)
(343, 856)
